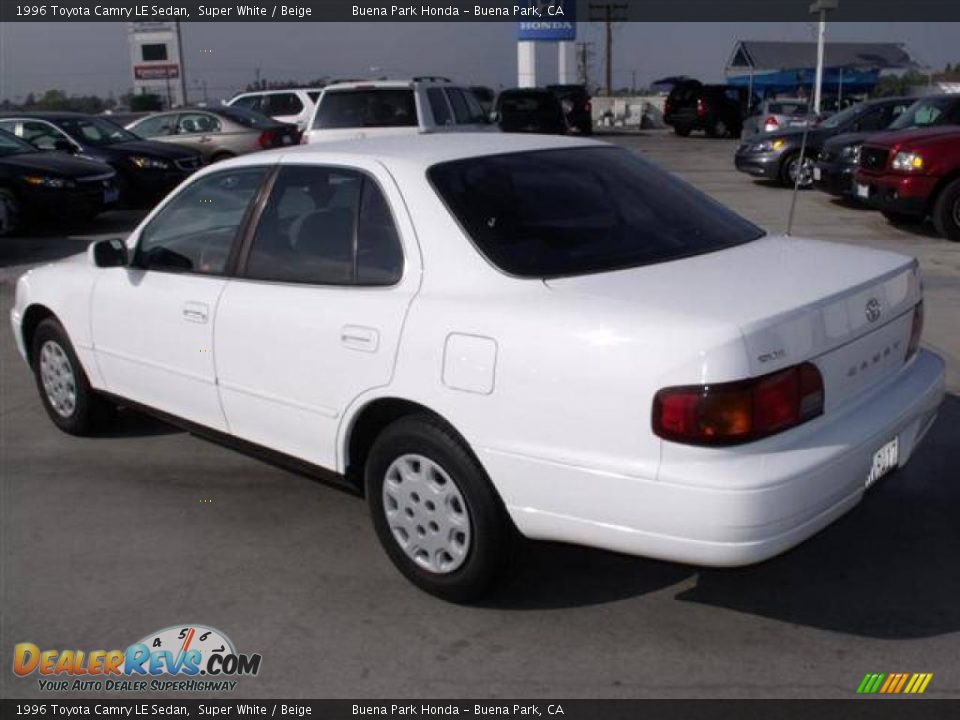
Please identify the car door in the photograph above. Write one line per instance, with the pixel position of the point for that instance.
(197, 131)
(313, 318)
(152, 321)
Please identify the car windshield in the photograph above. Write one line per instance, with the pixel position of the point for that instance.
(367, 107)
(12, 145)
(552, 213)
(94, 131)
(843, 117)
(923, 113)
(247, 118)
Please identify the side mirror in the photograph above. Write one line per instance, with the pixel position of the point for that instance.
(64, 146)
(109, 253)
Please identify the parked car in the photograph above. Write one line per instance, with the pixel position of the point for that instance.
(217, 133)
(575, 101)
(146, 170)
(293, 105)
(837, 162)
(37, 186)
(484, 333)
(779, 114)
(530, 110)
(485, 96)
(776, 156)
(913, 174)
(394, 107)
(718, 110)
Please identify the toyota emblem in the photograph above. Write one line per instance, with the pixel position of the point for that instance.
(873, 310)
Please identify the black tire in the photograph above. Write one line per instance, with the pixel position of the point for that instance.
(681, 131)
(785, 170)
(489, 533)
(718, 129)
(946, 212)
(10, 213)
(89, 411)
(899, 218)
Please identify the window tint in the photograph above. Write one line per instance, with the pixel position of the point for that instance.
(196, 123)
(306, 232)
(438, 105)
(873, 120)
(379, 256)
(930, 111)
(570, 212)
(156, 126)
(197, 228)
(284, 104)
(38, 134)
(368, 107)
(250, 102)
(95, 131)
(461, 109)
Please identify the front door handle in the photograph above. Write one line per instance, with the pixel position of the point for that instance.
(358, 337)
(195, 312)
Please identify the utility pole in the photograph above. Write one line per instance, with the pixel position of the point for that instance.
(608, 13)
(584, 54)
(822, 7)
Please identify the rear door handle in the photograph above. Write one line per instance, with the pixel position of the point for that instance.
(358, 337)
(195, 312)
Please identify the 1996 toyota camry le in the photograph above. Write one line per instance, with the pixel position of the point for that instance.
(492, 332)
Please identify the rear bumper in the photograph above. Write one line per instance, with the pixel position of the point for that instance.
(726, 507)
(906, 194)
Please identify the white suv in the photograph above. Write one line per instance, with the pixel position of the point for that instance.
(293, 105)
(393, 107)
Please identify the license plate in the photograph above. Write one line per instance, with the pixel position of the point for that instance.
(817, 174)
(286, 140)
(884, 460)
(863, 191)
(111, 196)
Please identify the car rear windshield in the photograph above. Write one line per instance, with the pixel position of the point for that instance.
(247, 118)
(367, 107)
(552, 213)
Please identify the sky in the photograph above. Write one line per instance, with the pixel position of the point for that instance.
(93, 58)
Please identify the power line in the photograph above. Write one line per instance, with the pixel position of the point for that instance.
(608, 13)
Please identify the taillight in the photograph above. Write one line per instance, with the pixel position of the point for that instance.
(667, 107)
(916, 330)
(267, 139)
(741, 411)
(587, 107)
(701, 107)
(771, 124)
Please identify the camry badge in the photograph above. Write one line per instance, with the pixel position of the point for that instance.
(873, 310)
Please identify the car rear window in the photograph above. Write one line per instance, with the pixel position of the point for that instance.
(552, 213)
(247, 118)
(367, 107)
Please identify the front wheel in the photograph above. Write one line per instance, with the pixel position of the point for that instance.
(946, 212)
(9, 212)
(434, 510)
(792, 166)
(70, 401)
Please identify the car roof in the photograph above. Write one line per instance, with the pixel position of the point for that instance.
(426, 149)
(390, 83)
(48, 115)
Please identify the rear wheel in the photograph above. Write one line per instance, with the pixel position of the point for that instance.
(71, 403)
(946, 212)
(681, 131)
(434, 509)
(9, 212)
(718, 129)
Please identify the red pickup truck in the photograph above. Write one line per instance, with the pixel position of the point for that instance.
(913, 174)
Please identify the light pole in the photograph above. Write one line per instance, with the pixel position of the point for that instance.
(821, 7)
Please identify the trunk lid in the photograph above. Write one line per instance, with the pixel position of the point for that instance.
(844, 307)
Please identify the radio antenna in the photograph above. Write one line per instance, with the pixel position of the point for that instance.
(799, 174)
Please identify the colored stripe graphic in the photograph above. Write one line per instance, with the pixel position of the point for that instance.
(894, 683)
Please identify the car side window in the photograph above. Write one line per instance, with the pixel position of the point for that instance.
(438, 106)
(249, 102)
(379, 254)
(41, 135)
(872, 120)
(157, 126)
(196, 123)
(462, 109)
(283, 104)
(306, 233)
(196, 230)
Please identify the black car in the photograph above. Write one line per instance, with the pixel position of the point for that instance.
(575, 101)
(776, 155)
(839, 158)
(36, 185)
(718, 110)
(485, 96)
(530, 110)
(146, 170)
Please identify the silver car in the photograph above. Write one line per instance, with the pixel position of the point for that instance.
(779, 114)
(217, 133)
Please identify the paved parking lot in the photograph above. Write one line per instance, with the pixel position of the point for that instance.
(105, 540)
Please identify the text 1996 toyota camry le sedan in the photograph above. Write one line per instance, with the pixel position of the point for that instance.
(495, 332)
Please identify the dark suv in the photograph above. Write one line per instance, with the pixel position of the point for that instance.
(718, 110)
(575, 101)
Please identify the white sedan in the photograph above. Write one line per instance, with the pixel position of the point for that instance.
(495, 333)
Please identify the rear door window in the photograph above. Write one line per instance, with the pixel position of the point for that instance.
(466, 109)
(250, 102)
(439, 107)
(156, 126)
(367, 107)
(283, 104)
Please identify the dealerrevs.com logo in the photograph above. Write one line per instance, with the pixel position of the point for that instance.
(177, 658)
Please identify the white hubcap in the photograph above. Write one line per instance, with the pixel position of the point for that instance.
(56, 374)
(426, 513)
